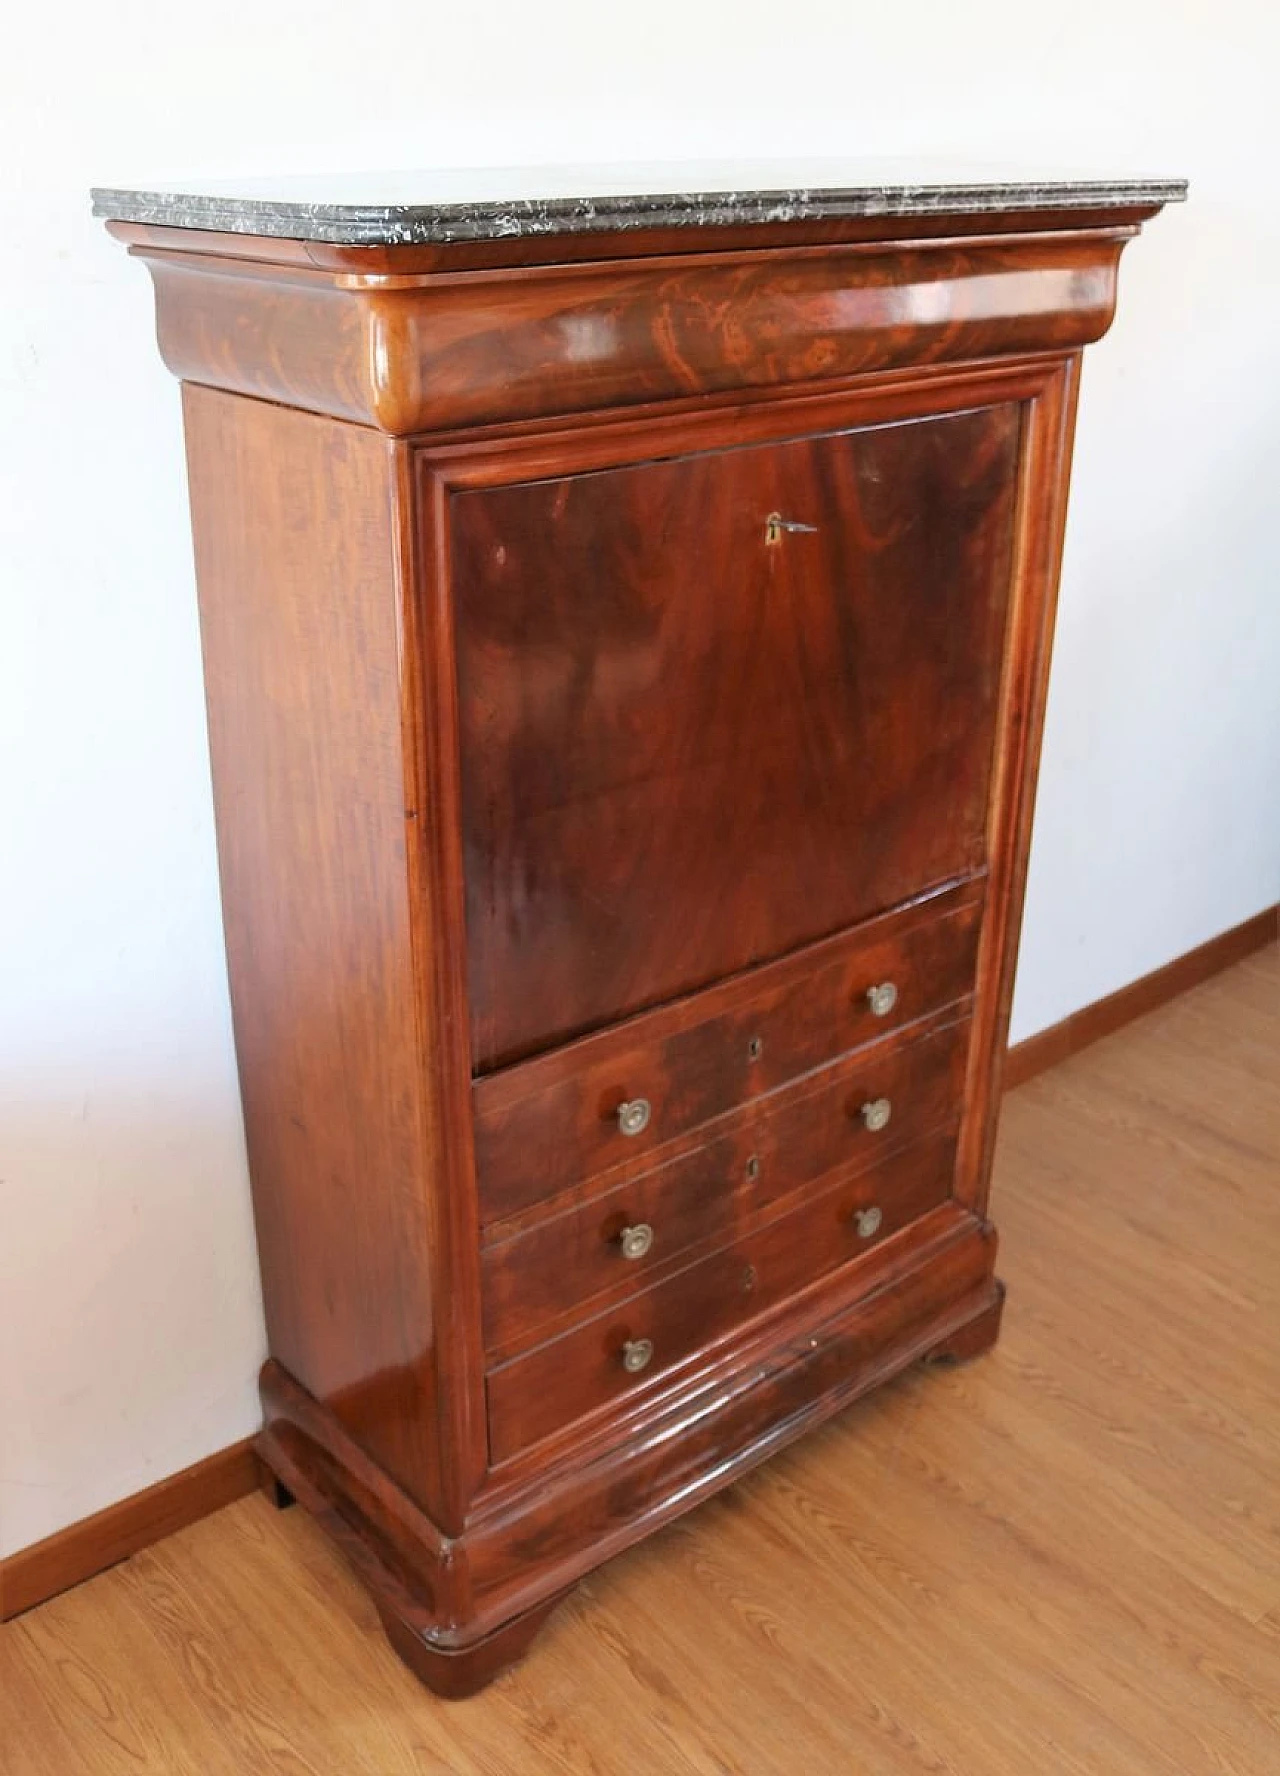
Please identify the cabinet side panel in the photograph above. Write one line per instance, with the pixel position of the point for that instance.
(294, 522)
(1045, 475)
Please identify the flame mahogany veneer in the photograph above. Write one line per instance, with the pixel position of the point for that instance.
(621, 656)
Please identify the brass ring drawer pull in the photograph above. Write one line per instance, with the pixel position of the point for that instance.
(876, 1114)
(633, 1116)
(637, 1353)
(866, 1222)
(636, 1241)
(882, 999)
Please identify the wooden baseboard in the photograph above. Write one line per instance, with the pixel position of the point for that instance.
(78, 1552)
(1025, 1059)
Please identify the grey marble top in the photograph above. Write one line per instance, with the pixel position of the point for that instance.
(491, 203)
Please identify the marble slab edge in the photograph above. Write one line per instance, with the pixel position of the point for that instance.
(367, 225)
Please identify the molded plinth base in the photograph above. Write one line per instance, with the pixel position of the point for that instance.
(460, 1609)
(457, 1673)
(975, 1336)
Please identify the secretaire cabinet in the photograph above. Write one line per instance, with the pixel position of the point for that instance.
(626, 627)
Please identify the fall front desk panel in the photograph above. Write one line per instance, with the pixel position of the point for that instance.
(714, 708)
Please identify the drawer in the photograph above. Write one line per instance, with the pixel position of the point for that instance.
(623, 1237)
(547, 1124)
(611, 1357)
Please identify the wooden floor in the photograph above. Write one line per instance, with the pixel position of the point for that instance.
(1064, 1558)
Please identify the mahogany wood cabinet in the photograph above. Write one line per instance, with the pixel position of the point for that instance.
(626, 627)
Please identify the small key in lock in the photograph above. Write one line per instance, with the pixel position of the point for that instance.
(775, 524)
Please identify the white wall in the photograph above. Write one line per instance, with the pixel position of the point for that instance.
(130, 1325)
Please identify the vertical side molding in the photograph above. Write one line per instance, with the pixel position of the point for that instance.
(429, 719)
(1042, 505)
(293, 519)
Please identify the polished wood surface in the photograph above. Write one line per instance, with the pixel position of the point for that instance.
(457, 1675)
(750, 1166)
(583, 1370)
(566, 1496)
(298, 607)
(542, 1127)
(1048, 435)
(1060, 1559)
(413, 352)
(723, 1178)
(689, 742)
(545, 715)
(508, 1537)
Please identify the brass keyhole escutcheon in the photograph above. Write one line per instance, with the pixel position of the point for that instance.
(637, 1353)
(753, 1167)
(755, 1048)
